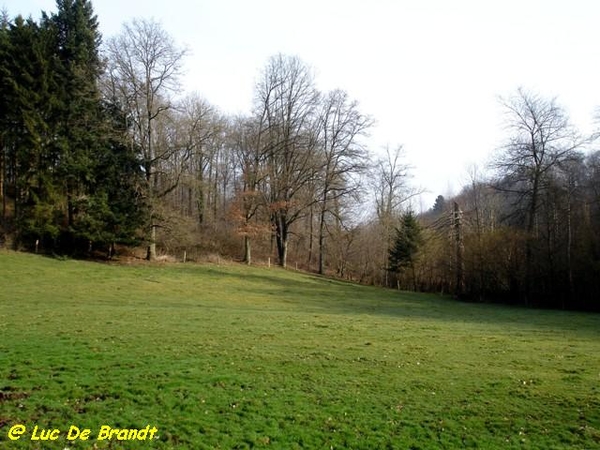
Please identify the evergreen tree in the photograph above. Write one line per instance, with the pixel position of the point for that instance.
(78, 123)
(406, 245)
(4, 54)
(439, 205)
(24, 123)
(115, 209)
(72, 179)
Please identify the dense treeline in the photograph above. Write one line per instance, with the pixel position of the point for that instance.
(100, 147)
(67, 178)
(529, 232)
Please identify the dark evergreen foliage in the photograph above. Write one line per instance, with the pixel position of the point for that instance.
(439, 205)
(69, 180)
(406, 245)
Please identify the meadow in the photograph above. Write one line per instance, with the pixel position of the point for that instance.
(235, 357)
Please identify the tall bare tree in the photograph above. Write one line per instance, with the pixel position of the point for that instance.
(200, 124)
(541, 138)
(144, 69)
(390, 180)
(250, 160)
(341, 125)
(286, 101)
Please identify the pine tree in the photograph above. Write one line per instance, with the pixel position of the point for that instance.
(407, 242)
(78, 122)
(115, 209)
(439, 205)
(24, 123)
(72, 179)
(4, 91)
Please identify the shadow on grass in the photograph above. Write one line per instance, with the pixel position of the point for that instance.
(312, 293)
(295, 291)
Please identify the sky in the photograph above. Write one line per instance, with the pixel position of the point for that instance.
(430, 72)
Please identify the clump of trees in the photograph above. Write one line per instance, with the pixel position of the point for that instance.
(99, 146)
(69, 180)
(529, 231)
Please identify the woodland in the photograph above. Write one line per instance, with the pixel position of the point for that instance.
(102, 153)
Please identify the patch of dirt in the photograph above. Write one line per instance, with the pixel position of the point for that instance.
(7, 396)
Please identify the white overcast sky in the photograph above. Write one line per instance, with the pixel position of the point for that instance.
(429, 71)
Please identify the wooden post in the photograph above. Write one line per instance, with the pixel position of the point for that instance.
(184, 256)
(269, 262)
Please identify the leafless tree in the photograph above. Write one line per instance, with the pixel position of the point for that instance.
(251, 164)
(541, 137)
(200, 125)
(286, 99)
(143, 73)
(391, 175)
(341, 125)
(390, 179)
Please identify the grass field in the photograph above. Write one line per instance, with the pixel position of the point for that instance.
(234, 357)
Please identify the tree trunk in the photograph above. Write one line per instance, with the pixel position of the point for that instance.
(310, 237)
(247, 250)
(151, 252)
(2, 192)
(282, 242)
(70, 208)
(200, 202)
(414, 275)
(569, 250)
(282, 247)
(529, 241)
(16, 212)
(322, 242)
(215, 204)
(200, 205)
(284, 252)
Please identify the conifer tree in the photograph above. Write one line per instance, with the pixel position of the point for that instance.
(73, 181)
(407, 242)
(78, 123)
(24, 123)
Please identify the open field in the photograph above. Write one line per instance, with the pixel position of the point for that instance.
(235, 357)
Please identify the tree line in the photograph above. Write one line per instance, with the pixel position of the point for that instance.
(100, 149)
(67, 176)
(526, 233)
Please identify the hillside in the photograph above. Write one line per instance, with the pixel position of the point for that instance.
(238, 357)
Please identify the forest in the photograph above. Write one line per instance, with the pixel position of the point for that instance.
(102, 152)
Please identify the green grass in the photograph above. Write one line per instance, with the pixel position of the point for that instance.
(235, 357)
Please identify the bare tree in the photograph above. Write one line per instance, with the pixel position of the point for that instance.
(341, 125)
(541, 138)
(144, 68)
(200, 125)
(391, 188)
(571, 179)
(285, 109)
(250, 161)
(390, 183)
